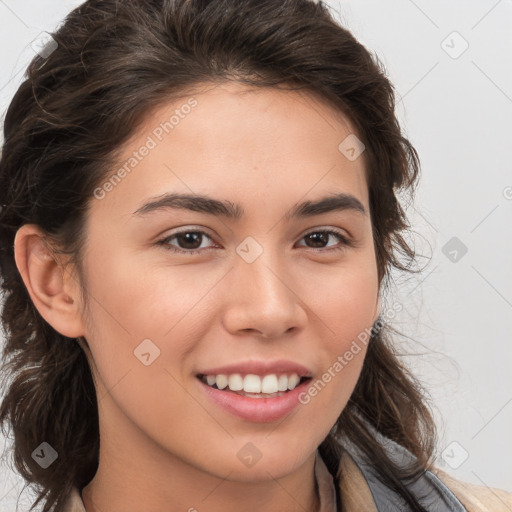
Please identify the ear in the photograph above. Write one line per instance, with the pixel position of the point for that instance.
(55, 297)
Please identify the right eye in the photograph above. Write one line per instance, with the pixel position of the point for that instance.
(185, 237)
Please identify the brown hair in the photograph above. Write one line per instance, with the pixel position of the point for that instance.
(114, 61)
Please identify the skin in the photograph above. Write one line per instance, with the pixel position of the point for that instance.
(165, 445)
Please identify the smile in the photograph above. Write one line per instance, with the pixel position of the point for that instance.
(265, 405)
(256, 386)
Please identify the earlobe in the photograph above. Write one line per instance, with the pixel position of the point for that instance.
(43, 277)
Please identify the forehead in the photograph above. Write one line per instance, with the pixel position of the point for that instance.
(238, 142)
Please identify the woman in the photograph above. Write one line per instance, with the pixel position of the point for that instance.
(199, 214)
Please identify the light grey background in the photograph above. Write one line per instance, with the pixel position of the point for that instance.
(455, 106)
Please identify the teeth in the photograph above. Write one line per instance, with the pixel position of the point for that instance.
(252, 384)
(293, 381)
(235, 382)
(268, 384)
(221, 381)
(282, 384)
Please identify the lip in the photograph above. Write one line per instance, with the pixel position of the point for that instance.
(260, 368)
(256, 410)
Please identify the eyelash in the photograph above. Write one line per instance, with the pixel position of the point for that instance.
(345, 242)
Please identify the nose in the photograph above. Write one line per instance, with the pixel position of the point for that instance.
(263, 300)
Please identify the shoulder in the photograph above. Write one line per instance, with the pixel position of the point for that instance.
(361, 487)
(476, 498)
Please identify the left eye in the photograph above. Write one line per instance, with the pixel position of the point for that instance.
(323, 236)
(194, 239)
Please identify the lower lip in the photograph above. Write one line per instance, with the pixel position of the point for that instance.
(257, 410)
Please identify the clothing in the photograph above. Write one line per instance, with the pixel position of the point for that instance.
(361, 491)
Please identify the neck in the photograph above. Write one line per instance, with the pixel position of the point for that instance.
(183, 489)
(148, 477)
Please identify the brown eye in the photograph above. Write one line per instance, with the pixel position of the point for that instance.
(189, 242)
(319, 238)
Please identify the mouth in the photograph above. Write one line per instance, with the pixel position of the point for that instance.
(254, 398)
(249, 385)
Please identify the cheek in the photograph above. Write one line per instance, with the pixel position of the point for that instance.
(346, 308)
(137, 300)
(139, 336)
(131, 302)
(344, 298)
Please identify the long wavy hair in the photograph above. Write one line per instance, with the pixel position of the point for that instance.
(109, 63)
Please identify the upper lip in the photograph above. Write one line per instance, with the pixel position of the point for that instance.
(259, 368)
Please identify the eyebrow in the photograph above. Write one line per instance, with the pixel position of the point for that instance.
(229, 210)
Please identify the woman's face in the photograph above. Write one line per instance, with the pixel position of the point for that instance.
(264, 292)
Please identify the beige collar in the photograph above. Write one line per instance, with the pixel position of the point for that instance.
(325, 486)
